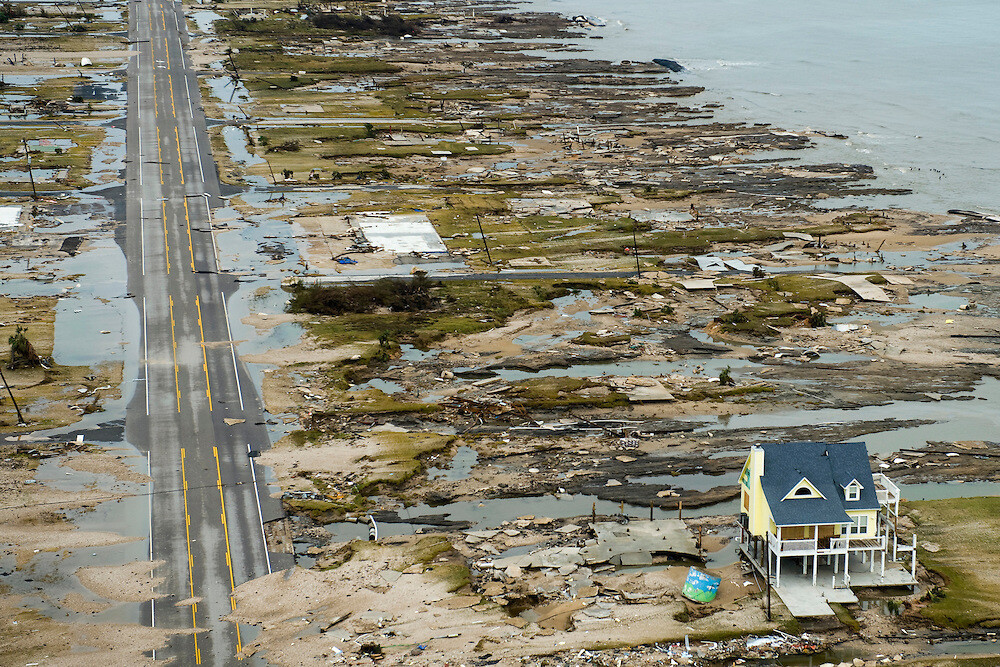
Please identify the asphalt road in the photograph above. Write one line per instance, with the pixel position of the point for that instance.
(207, 511)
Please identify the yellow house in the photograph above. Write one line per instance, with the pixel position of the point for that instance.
(811, 500)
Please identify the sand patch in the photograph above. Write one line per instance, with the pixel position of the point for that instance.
(107, 464)
(76, 602)
(131, 582)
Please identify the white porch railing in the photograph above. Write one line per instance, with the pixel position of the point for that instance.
(885, 490)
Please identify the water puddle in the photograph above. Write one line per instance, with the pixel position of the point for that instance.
(459, 468)
(967, 419)
(936, 301)
(239, 150)
(385, 386)
(205, 20)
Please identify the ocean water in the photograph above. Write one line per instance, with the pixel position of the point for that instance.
(914, 84)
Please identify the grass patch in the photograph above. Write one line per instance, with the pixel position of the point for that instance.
(547, 393)
(591, 338)
(783, 301)
(669, 194)
(378, 149)
(399, 457)
(845, 617)
(968, 558)
(76, 159)
(271, 57)
(377, 402)
(454, 575)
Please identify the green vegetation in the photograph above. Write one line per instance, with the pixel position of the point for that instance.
(376, 401)
(392, 25)
(670, 194)
(394, 295)
(381, 150)
(455, 575)
(591, 338)
(76, 159)
(546, 393)
(783, 301)
(399, 457)
(458, 307)
(845, 617)
(263, 57)
(968, 558)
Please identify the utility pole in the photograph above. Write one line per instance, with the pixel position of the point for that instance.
(485, 244)
(20, 419)
(635, 250)
(31, 177)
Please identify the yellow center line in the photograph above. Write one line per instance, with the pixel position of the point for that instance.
(159, 153)
(229, 556)
(173, 338)
(187, 219)
(204, 355)
(180, 166)
(163, 21)
(173, 109)
(187, 531)
(166, 244)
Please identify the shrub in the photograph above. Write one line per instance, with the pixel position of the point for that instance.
(393, 294)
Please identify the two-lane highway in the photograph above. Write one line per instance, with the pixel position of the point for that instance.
(198, 413)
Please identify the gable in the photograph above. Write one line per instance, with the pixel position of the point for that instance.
(804, 489)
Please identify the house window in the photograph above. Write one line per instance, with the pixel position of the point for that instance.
(746, 500)
(858, 527)
(852, 492)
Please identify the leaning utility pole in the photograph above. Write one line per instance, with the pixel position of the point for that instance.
(20, 419)
(483, 234)
(31, 177)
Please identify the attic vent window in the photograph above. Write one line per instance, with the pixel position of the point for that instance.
(804, 489)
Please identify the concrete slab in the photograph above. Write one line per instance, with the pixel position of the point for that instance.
(661, 536)
(400, 233)
(697, 283)
(10, 216)
(859, 284)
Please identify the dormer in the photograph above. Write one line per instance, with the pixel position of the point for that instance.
(804, 489)
(852, 492)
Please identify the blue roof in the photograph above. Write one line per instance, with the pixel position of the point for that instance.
(829, 468)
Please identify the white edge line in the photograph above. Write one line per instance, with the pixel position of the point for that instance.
(260, 515)
(152, 600)
(145, 351)
(232, 348)
(142, 240)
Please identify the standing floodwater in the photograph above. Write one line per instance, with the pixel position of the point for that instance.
(913, 85)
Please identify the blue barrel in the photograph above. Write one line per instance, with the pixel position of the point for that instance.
(700, 586)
